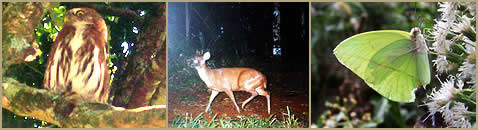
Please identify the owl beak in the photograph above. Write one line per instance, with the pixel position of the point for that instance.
(66, 18)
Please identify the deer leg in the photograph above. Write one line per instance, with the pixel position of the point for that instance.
(268, 104)
(262, 92)
(254, 94)
(211, 98)
(231, 95)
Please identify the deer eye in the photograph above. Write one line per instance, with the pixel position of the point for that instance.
(79, 13)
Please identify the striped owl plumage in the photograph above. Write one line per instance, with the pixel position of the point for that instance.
(78, 58)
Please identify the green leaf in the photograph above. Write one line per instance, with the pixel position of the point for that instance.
(57, 16)
(388, 61)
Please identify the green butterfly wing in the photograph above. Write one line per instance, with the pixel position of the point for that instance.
(385, 60)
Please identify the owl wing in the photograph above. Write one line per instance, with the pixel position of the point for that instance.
(51, 79)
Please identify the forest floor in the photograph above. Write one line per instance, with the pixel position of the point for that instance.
(195, 102)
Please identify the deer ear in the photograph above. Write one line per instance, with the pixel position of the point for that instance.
(207, 55)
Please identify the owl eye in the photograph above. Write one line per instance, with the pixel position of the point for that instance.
(79, 13)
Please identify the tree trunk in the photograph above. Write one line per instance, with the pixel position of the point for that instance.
(146, 71)
(18, 39)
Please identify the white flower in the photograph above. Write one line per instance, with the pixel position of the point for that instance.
(313, 126)
(340, 116)
(330, 124)
(440, 45)
(460, 84)
(463, 38)
(433, 107)
(442, 100)
(441, 64)
(456, 116)
(448, 10)
(471, 7)
(467, 70)
(470, 48)
(457, 25)
(463, 25)
(445, 93)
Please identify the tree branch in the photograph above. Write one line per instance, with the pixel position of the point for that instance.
(105, 10)
(64, 111)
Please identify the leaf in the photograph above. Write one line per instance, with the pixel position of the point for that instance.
(387, 61)
(57, 16)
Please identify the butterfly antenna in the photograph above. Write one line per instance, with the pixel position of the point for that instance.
(416, 15)
(415, 9)
(419, 19)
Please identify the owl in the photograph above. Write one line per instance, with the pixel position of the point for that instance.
(77, 62)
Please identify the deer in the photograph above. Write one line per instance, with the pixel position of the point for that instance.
(231, 79)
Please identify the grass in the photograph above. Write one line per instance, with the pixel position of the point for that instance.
(285, 121)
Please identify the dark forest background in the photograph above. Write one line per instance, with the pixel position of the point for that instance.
(239, 35)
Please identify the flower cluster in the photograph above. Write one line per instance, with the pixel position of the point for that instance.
(448, 100)
(454, 35)
(453, 41)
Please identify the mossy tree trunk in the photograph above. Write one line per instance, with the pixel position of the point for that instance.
(18, 39)
(145, 82)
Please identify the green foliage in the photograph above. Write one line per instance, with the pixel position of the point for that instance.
(286, 121)
(341, 114)
(29, 122)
